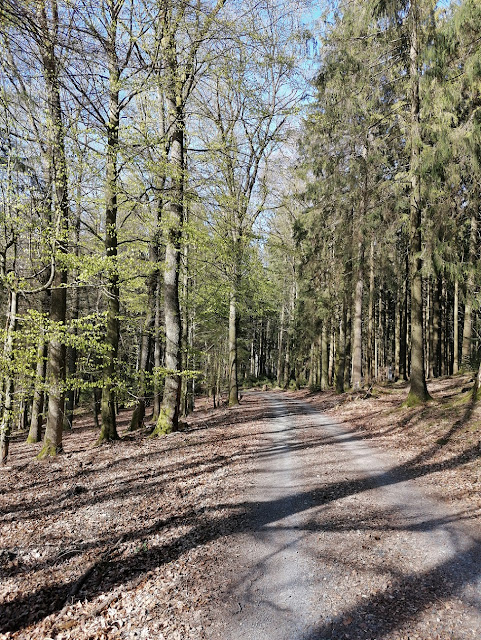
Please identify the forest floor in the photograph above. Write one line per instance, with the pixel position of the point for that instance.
(364, 514)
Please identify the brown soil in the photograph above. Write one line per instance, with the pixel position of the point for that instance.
(134, 539)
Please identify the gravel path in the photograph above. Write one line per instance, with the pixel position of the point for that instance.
(340, 545)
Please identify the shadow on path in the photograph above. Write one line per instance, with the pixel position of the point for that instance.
(446, 579)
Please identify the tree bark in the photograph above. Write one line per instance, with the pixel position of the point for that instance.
(456, 327)
(418, 392)
(233, 324)
(370, 328)
(436, 323)
(280, 368)
(7, 417)
(145, 344)
(72, 350)
(468, 306)
(357, 328)
(324, 358)
(108, 429)
(36, 419)
(341, 350)
(58, 299)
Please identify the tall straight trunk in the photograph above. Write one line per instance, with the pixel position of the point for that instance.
(456, 327)
(359, 285)
(397, 333)
(381, 331)
(436, 327)
(418, 392)
(233, 325)
(145, 343)
(332, 357)
(312, 363)
(468, 306)
(157, 352)
(428, 329)
(287, 362)
(445, 333)
(280, 369)
(108, 429)
(324, 357)
(289, 333)
(186, 395)
(403, 365)
(58, 299)
(341, 350)
(38, 401)
(71, 349)
(169, 412)
(7, 417)
(348, 348)
(190, 400)
(36, 418)
(370, 326)
(357, 324)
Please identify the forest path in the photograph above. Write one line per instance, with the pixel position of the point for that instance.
(342, 543)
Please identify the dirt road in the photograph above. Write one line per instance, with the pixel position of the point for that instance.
(339, 544)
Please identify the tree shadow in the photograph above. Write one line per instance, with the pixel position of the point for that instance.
(207, 526)
(406, 599)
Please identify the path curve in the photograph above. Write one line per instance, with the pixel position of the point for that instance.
(341, 545)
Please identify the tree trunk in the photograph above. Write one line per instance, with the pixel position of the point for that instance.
(145, 343)
(233, 322)
(312, 359)
(347, 348)
(185, 392)
(157, 353)
(357, 328)
(7, 416)
(108, 429)
(370, 328)
(468, 307)
(397, 333)
(72, 350)
(280, 369)
(418, 392)
(436, 327)
(58, 299)
(341, 350)
(36, 419)
(403, 364)
(324, 358)
(456, 327)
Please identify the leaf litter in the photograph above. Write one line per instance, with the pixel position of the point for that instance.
(134, 539)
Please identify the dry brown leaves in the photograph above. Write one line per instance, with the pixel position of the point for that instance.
(122, 541)
(127, 540)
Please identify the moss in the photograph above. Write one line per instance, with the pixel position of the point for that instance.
(49, 449)
(164, 424)
(413, 400)
(32, 439)
(104, 438)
